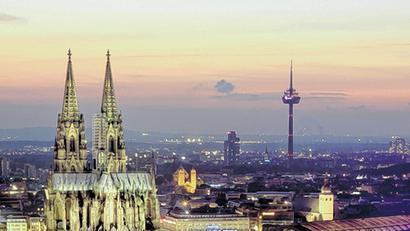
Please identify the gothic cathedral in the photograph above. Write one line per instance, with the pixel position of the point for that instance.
(96, 193)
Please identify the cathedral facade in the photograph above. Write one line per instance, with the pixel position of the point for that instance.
(96, 193)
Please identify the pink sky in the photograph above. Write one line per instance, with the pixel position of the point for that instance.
(346, 56)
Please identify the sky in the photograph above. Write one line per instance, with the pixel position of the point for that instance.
(210, 66)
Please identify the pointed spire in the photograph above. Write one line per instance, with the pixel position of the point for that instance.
(109, 105)
(326, 186)
(291, 76)
(70, 109)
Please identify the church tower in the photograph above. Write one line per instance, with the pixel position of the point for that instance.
(70, 144)
(326, 200)
(193, 179)
(108, 136)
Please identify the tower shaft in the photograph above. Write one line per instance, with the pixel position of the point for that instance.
(290, 136)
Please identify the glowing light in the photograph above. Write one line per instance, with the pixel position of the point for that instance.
(268, 213)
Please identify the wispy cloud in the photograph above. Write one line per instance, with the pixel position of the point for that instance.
(249, 96)
(226, 92)
(6, 18)
(326, 96)
(327, 93)
(329, 99)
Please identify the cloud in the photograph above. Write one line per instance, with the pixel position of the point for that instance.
(223, 86)
(227, 90)
(324, 99)
(326, 96)
(4, 18)
(328, 93)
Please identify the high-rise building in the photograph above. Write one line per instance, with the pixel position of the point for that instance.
(290, 97)
(398, 146)
(30, 171)
(4, 167)
(97, 133)
(105, 196)
(266, 154)
(232, 149)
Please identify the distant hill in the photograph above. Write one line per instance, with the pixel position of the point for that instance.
(319, 143)
(48, 134)
(34, 134)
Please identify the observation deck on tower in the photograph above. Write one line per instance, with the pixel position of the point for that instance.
(291, 96)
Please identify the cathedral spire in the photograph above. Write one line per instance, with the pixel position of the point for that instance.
(108, 104)
(70, 109)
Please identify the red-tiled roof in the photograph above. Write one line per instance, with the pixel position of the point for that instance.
(393, 223)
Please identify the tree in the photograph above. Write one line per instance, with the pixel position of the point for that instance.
(257, 185)
(221, 199)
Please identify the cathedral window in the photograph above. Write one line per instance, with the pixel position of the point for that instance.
(72, 144)
(111, 145)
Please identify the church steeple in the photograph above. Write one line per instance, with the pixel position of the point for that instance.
(70, 109)
(108, 136)
(326, 185)
(70, 143)
(108, 104)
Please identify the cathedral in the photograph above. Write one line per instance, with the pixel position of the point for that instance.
(96, 193)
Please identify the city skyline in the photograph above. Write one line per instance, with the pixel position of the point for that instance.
(226, 65)
(188, 115)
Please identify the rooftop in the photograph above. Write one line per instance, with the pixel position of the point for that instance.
(401, 222)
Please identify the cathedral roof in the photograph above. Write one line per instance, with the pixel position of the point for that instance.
(105, 183)
(70, 109)
(108, 104)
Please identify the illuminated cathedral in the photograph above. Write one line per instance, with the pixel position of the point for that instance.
(96, 193)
